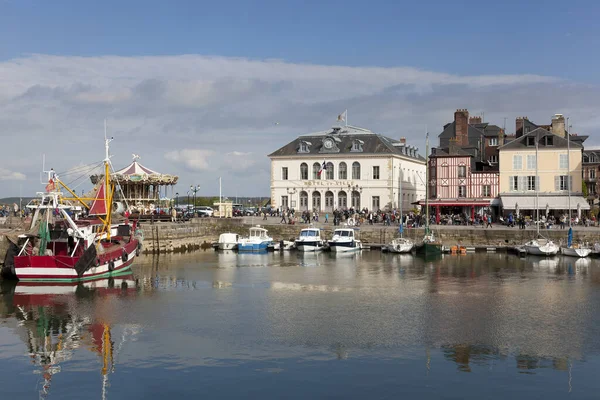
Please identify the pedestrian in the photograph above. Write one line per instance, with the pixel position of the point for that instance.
(326, 217)
(283, 221)
(488, 220)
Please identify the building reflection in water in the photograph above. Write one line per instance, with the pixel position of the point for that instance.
(54, 320)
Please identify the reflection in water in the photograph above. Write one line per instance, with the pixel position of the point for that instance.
(304, 314)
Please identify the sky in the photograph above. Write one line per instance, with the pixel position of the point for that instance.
(207, 89)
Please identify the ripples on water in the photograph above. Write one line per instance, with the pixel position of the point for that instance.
(371, 325)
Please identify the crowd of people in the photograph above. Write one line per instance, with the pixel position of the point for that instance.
(12, 210)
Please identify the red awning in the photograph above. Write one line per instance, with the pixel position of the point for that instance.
(455, 203)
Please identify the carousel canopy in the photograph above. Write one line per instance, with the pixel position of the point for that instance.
(135, 168)
(136, 172)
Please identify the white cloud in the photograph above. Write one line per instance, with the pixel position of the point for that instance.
(191, 114)
(6, 175)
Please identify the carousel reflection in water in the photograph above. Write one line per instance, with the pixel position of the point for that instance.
(54, 320)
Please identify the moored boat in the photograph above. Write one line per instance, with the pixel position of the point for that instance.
(258, 240)
(310, 240)
(58, 248)
(228, 241)
(344, 241)
(573, 249)
(429, 245)
(541, 247)
(400, 245)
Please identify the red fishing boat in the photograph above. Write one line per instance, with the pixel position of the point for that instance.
(61, 248)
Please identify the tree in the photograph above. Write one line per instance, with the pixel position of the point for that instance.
(584, 189)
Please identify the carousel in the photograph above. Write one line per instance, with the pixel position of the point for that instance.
(140, 188)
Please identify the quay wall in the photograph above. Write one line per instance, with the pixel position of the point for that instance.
(178, 237)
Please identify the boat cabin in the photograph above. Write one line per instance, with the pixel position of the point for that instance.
(310, 233)
(344, 233)
(258, 233)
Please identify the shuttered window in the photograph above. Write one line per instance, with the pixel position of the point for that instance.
(517, 162)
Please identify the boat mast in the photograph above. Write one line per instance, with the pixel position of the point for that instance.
(569, 168)
(535, 183)
(108, 190)
(401, 199)
(427, 183)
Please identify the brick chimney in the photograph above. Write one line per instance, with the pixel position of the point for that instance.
(519, 126)
(461, 121)
(453, 145)
(558, 125)
(474, 120)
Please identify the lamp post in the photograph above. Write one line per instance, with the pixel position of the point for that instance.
(291, 193)
(176, 199)
(194, 190)
(188, 202)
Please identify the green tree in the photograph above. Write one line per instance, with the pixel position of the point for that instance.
(584, 189)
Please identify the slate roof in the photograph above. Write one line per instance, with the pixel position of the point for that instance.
(521, 142)
(528, 124)
(344, 138)
(475, 133)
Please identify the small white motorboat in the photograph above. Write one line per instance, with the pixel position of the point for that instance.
(344, 241)
(541, 247)
(400, 245)
(258, 240)
(576, 251)
(310, 240)
(228, 241)
(284, 245)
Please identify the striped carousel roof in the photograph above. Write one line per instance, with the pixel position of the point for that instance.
(135, 168)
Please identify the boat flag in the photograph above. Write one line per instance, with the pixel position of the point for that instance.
(343, 116)
(323, 166)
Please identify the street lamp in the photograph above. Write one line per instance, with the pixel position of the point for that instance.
(176, 199)
(194, 190)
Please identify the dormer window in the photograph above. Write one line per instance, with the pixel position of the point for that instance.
(357, 145)
(530, 141)
(304, 147)
(549, 141)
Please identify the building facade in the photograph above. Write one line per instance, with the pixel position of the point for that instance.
(537, 170)
(346, 167)
(591, 170)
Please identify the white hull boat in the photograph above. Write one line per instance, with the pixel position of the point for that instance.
(580, 252)
(287, 245)
(541, 247)
(343, 241)
(400, 245)
(257, 241)
(310, 240)
(228, 241)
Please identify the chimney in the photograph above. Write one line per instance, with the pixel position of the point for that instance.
(519, 126)
(403, 140)
(474, 120)
(453, 145)
(558, 125)
(461, 121)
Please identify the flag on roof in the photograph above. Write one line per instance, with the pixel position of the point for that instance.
(323, 166)
(342, 117)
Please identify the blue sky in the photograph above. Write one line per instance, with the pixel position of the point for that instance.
(464, 37)
(202, 89)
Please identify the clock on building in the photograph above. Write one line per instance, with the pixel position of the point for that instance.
(328, 143)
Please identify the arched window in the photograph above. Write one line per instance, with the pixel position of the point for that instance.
(303, 171)
(329, 201)
(355, 170)
(303, 200)
(355, 200)
(329, 172)
(343, 172)
(342, 200)
(316, 201)
(316, 169)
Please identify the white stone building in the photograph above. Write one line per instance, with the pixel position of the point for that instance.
(362, 169)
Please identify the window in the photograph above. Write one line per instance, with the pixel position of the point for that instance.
(329, 171)
(493, 159)
(561, 182)
(527, 131)
(513, 182)
(493, 141)
(530, 161)
(355, 170)
(284, 202)
(462, 171)
(531, 183)
(304, 147)
(303, 171)
(462, 191)
(563, 161)
(517, 162)
(284, 173)
(549, 141)
(592, 173)
(530, 141)
(592, 158)
(592, 190)
(375, 203)
(316, 169)
(376, 174)
(343, 173)
(486, 190)
(357, 145)
(303, 200)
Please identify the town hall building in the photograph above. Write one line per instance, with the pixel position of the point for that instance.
(346, 167)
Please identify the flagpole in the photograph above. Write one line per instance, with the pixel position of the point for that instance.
(346, 117)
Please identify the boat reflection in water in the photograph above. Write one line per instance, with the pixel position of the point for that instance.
(53, 322)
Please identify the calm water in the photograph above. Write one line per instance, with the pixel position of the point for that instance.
(485, 326)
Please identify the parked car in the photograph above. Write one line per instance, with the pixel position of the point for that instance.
(250, 211)
(208, 211)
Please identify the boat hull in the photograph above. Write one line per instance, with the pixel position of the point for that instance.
(309, 246)
(227, 246)
(429, 249)
(541, 250)
(62, 268)
(400, 246)
(253, 247)
(344, 247)
(572, 252)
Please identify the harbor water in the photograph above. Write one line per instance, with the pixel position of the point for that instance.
(295, 326)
